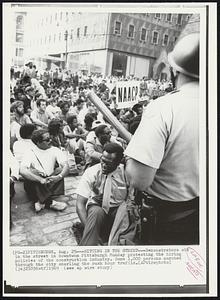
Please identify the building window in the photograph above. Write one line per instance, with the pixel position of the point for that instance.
(117, 29)
(60, 36)
(61, 15)
(131, 31)
(169, 17)
(78, 32)
(165, 39)
(67, 17)
(85, 30)
(143, 34)
(51, 17)
(155, 37)
(19, 37)
(179, 19)
(54, 38)
(45, 40)
(55, 16)
(157, 16)
(19, 52)
(49, 39)
(20, 22)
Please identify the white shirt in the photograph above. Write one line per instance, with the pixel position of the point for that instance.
(14, 166)
(168, 139)
(15, 130)
(91, 184)
(21, 146)
(43, 160)
(53, 111)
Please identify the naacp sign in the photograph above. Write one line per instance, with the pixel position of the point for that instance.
(127, 93)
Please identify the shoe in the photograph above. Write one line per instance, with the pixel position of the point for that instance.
(39, 206)
(58, 205)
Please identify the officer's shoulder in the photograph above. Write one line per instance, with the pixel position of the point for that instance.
(167, 96)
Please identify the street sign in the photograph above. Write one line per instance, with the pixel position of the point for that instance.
(127, 93)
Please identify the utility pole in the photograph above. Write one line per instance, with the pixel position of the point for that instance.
(66, 39)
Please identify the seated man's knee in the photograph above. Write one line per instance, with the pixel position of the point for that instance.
(96, 212)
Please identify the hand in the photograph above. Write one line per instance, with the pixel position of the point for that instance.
(53, 179)
(43, 180)
(133, 213)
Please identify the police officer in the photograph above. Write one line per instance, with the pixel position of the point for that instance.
(163, 154)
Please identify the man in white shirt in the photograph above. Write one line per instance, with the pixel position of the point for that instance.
(25, 143)
(52, 109)
(39, 115)
(43, 178)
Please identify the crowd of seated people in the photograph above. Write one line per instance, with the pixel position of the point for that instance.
(53, 124)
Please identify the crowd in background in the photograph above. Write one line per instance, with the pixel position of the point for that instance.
(57, 102)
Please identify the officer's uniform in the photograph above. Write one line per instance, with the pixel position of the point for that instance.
(167, 140)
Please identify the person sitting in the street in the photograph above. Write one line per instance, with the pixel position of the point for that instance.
(17, 119)
(55, 129)
(43, 170)
(17, 108)
(75, 110)
(65, 112)
(14, 176)
(88, 121)
(138, 109)
(75, 134)
(100, 192)
(95, 143)
(52, 109)
(29, 97)
(39, 115)
(25, 143)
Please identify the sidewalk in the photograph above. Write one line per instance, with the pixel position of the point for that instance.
(48, 227)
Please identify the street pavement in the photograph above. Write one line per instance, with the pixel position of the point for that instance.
(47, 227)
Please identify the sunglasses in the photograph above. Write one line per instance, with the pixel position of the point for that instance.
(46, 140)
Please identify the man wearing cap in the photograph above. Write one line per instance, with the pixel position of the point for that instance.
(163, 154)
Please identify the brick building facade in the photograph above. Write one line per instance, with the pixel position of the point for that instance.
(108, 43)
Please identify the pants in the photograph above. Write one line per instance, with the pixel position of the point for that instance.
(177, 223)
(41, 192)
(98, 225)
(180, 232)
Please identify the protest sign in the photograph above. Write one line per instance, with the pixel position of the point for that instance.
(127, 93)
